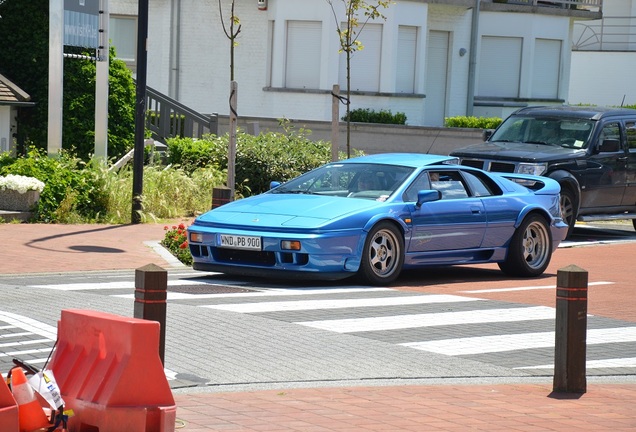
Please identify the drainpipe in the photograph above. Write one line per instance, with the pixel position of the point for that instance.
(175, 43)
(472, 62)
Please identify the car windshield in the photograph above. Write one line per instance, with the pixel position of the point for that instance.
(354, 180)
(564, 132)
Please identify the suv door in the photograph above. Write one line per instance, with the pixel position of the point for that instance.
(603, 178)
(629, 198)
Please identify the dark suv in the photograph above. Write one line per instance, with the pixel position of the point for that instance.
(590, 151)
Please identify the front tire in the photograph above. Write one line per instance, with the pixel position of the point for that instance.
(530, 249)
(383, 255)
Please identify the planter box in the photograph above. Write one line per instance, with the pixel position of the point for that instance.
(14, 200)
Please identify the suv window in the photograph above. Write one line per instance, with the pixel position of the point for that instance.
(558, 131)
(630, 130)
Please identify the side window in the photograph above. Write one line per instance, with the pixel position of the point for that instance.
(630, 130)
(478, 186)
(449, 183)
(610, 131)
(420, 183)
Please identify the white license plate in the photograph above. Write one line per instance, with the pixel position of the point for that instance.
(239, 242)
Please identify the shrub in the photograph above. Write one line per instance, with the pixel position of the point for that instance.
(366, 115)
(259, 159)
(176, 241)
(472, 122)
(72, 187)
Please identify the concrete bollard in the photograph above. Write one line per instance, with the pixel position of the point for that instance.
(151, 294)
(220, 196)
(571, 330)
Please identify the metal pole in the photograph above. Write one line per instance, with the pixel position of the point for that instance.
(101, 87)
(140, 111)
(335, 121)
(231, 154)
(472, 62)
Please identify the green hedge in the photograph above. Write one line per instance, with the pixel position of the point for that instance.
(366, 115)
(472, 122)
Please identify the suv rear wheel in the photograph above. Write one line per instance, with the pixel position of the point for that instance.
(567, 208)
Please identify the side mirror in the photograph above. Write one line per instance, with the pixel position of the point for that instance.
(609, 146)
(486, 134)
(425, 196)
(274, 184)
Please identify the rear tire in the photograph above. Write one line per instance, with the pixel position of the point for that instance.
(383, 255)
(568, 208)
(530, 249)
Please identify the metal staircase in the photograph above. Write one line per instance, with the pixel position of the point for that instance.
(168, 118)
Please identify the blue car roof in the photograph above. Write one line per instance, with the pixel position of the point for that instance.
(413, 160)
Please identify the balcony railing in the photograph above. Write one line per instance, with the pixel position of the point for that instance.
(589, 5)
(611, 33)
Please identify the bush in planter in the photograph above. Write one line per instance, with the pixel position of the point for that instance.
(19, 193)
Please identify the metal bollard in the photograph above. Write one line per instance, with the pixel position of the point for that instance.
(571, 330)
(220, 196)
(151, 294)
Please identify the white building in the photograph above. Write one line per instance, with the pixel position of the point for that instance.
(428, 59)
(604, 57)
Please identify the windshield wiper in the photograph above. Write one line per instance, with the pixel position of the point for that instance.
(541, 143)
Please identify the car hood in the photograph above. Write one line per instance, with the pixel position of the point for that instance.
(285, 211)
(516, 151)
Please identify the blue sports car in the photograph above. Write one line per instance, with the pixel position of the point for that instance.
(375, 215)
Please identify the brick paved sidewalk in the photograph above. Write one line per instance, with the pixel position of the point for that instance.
(528, 407)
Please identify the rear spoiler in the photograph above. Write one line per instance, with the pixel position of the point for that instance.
(534, 183)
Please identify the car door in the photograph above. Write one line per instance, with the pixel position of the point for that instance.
(603, 178)
(457, 221)
(629, 198)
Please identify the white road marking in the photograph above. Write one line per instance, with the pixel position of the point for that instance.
(351, 325)
(512, 342)
(339, 303)
(268, 293)
(29, 325)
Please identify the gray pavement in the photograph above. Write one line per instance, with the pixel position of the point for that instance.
(252, 373)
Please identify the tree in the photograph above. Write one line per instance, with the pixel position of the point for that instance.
(24, 57)
(357, 14)
(231, 34)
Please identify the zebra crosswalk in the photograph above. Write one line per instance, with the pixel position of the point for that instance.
(512, 335)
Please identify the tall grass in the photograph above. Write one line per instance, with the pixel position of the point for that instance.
(168, 193)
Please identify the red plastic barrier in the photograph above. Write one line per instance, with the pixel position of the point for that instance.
(8, 409)
(110, 374)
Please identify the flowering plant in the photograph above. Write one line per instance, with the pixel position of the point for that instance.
(176, 241)
(20, 184)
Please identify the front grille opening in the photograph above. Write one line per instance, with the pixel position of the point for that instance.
(502, 167)
(473, 163)
(237, 256)
(294, 258)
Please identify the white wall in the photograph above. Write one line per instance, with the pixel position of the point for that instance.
(203, 66)
(6, 134)
(603, 78)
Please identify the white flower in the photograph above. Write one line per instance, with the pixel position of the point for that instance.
(21, 184)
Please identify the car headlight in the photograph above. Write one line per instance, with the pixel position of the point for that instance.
(532, 168)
